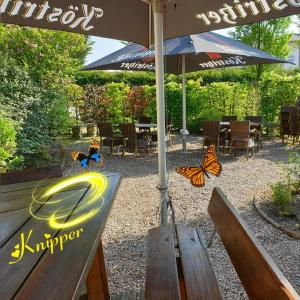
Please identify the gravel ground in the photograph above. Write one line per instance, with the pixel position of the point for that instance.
(135, 212)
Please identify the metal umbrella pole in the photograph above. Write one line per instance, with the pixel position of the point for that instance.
(184, 132)
(160, 104)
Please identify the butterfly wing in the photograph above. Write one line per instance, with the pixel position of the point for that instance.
(94, 155)
(195, 174)
(84, 160)
(210, 162)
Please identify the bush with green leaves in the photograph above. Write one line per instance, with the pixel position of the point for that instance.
(277, 90)
(7, 142)
(282, 198)
(291, 171)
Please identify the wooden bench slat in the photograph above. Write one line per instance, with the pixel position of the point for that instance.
(30, 174)
(260, 276)
(161, 275)
(30, 185)
(200, 280)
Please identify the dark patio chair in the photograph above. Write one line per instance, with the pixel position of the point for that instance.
(30, 175)
(145, 120)
(133, 140)
(212, 134)
(286, 121)
(256, 129)
(229, 118)
(240, 137)
(108, 137)
(169, 127)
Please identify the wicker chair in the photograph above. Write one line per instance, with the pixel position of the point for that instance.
(107, 136)
(169, 127)
(286, 113)
(256, 129)
(229, 118)
(240, 136)
(132, 139)
(212, 134)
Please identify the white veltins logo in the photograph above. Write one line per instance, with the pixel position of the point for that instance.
(73, 17)
(231, 61)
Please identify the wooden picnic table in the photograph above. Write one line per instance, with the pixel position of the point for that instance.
(77, 259)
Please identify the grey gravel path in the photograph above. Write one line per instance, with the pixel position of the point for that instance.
(135, 211)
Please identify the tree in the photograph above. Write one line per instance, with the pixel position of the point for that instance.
(136, 103)
(50, 57)
(36, 68)
(271, 36)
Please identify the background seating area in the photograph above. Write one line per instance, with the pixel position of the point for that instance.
(233, 134)
(290, 122)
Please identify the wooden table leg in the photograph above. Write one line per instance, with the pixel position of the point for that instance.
(97, 283)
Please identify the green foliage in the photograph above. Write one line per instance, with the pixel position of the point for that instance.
(209, 101)
(102, 77)
(292, 171)
(136, 103)
(277, 90)
(50, 57)
(271, 36)
(7, 142)
(117, 94)
(36, 72)
(282, 198)
(104, 103)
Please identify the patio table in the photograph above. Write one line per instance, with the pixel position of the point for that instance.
(77, 257)
(142, 125)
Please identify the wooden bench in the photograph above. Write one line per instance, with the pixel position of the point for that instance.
(178, 265)
(30, 175)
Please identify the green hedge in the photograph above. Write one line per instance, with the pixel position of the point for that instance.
(207, 100)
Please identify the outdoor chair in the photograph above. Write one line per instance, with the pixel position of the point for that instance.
(229, 118)
(133, 140)
(212, 134)
(240, 136)
(295, 124)
(145, 120)
(30, 175)
(286, 121)
(107, 136)
(256, 128)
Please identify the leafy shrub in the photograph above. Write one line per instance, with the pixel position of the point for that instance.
(7, 143)
(282, 198)
(292, 171)
(277, 90)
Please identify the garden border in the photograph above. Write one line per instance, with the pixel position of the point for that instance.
(264, 216)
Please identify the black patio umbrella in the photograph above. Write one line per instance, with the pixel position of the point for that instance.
(185, 54)
(144, 21)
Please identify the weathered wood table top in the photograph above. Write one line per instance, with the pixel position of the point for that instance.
(47, 246)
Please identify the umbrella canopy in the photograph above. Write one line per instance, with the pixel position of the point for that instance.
(201, 51)
(132, 20)
(185, 54)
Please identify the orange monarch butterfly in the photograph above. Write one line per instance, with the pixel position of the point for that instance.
(210, 164)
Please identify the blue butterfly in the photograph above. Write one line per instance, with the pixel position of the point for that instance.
(84, 159)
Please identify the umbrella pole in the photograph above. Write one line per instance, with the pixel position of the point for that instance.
(160, 103)
(184, 132)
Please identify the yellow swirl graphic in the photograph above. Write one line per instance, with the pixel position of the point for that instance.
(63, 206)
